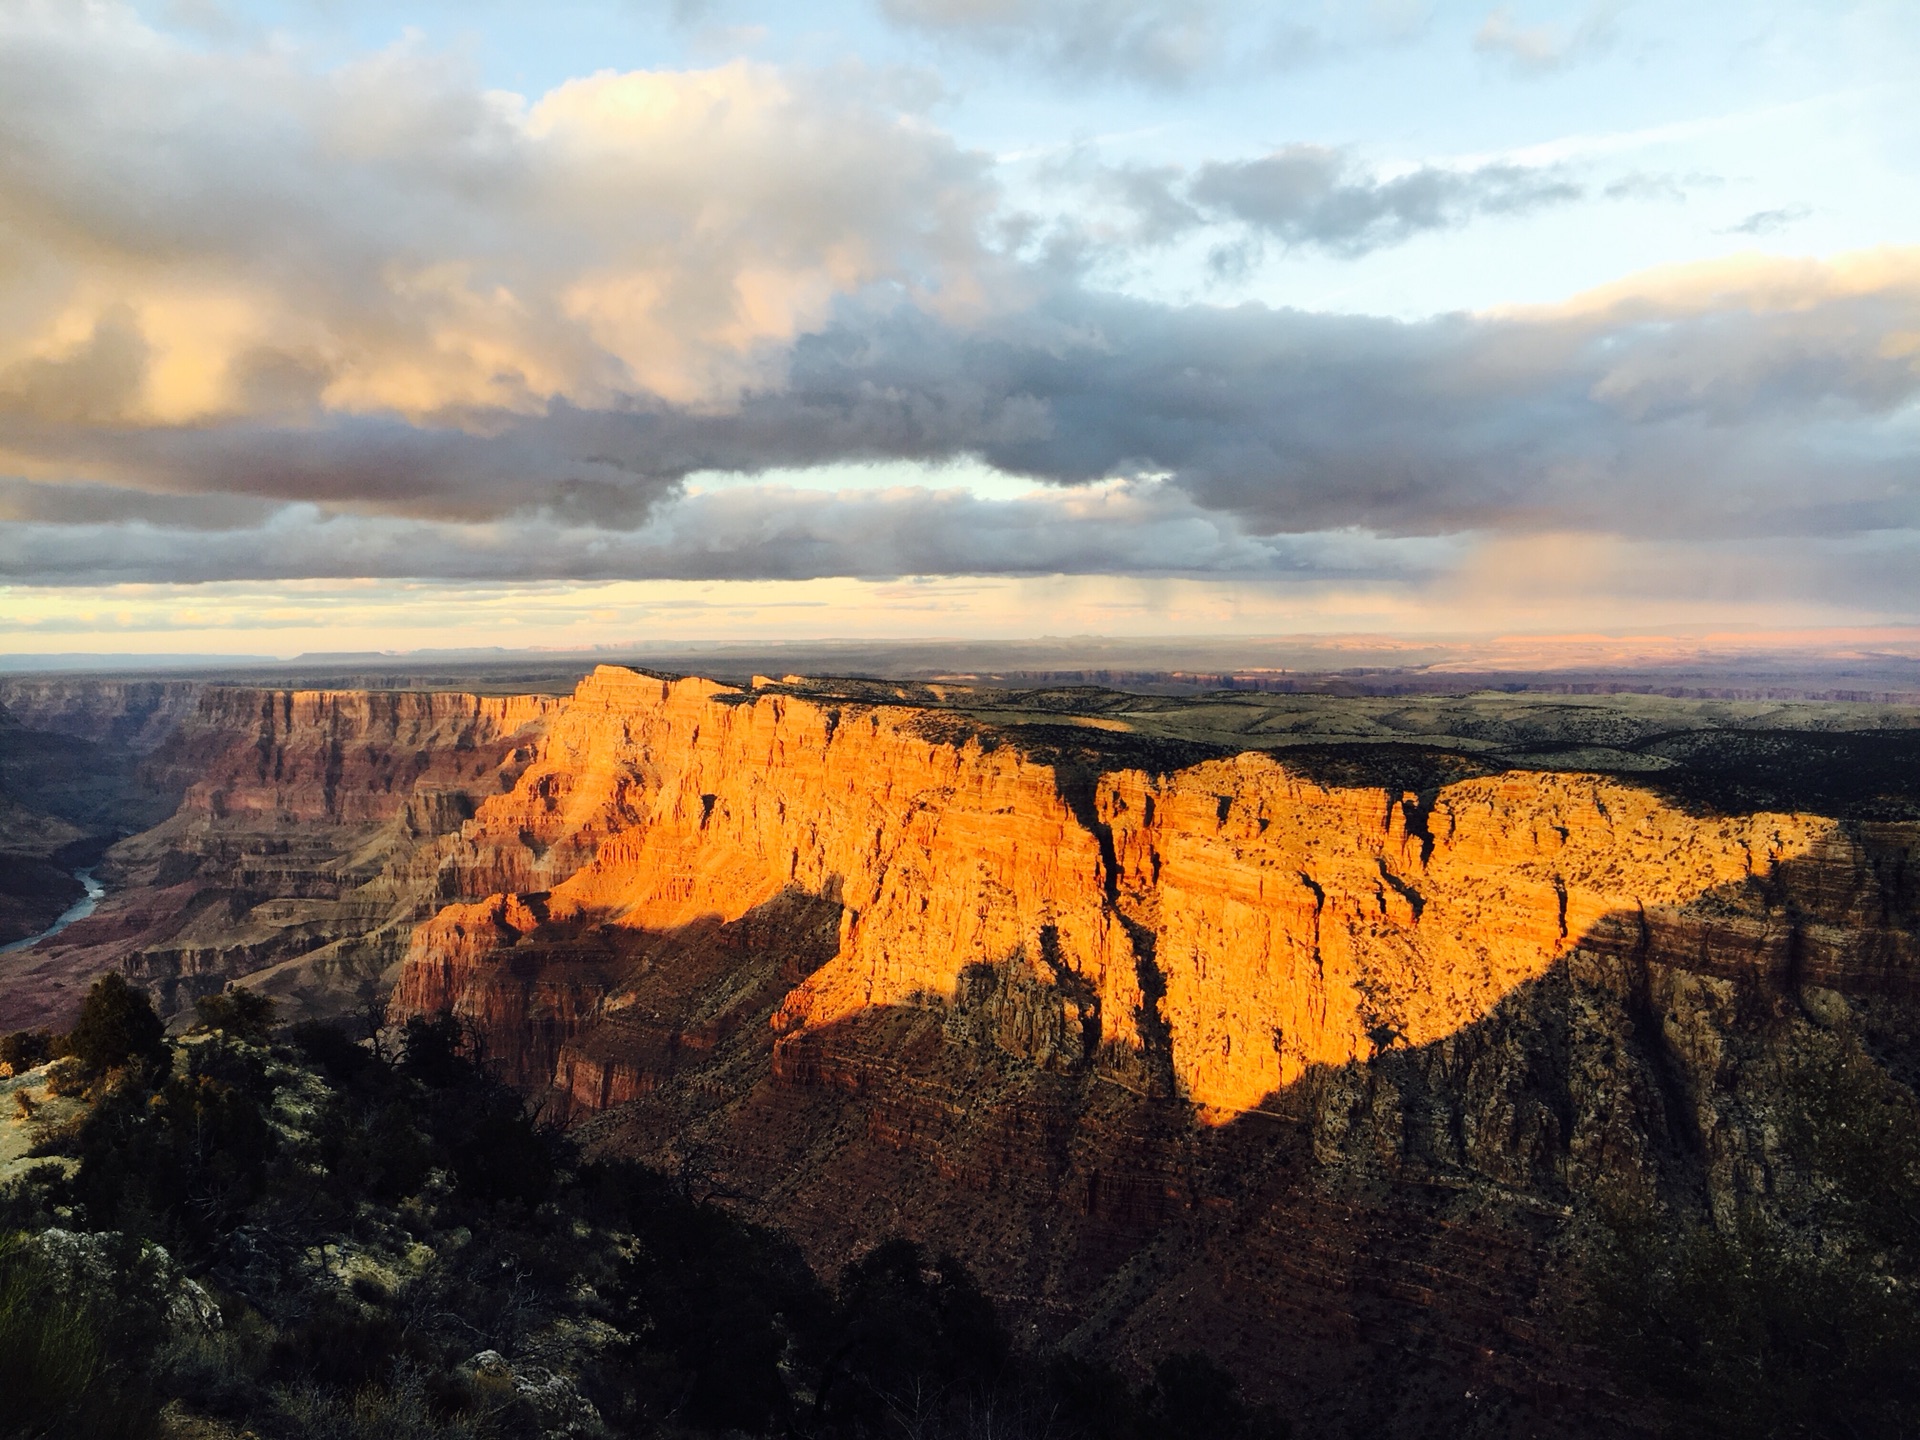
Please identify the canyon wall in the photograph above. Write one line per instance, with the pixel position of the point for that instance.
(1328, 1078)
(1316, 1077)
(300, 851)
(136, 715)
(1232, 921)
(71, 783)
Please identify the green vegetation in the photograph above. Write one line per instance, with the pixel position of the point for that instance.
(1803, 1322)
(51, 1350)
(25, 1049)
(1751, 1334)
(290, 1234)
(237, 1011)
(116, 1026)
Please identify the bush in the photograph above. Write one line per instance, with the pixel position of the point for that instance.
(907, 1321)
(183, 1162)
(366, 1223)
(244, 1013)
(1192, 1398)
(1745, 1334)
(55, 1366)
(24, 1049)
(67, 1078)
(117, 1027)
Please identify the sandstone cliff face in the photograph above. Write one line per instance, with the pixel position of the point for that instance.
(684, 803)
(137, 715)
(1298, 926)
(347, 757)
(300, 854)
(1277, 925)
(1295, 1072)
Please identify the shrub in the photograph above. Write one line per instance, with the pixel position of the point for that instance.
(24, 1049)
(907, 1326)
(290, 1179)
(1746, 1334)
(67, 1078)
(1192, 1398)
(240, 1012)
(55, 1370)
(117, 1026)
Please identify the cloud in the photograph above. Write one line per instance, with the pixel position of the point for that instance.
(263, 320)
(1311, 195)
(1746, 398)
(1164, 44)
(1768, 222)
(1660, 185)
(196, 237)
(1146, 531)
(1306, 197)
(1160, 42)
(749, 532)
(1698, 415)
(1532, 50)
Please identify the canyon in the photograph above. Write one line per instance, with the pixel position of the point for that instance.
(1324, 1035)
(287, 835)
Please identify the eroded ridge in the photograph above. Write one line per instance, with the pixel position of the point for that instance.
(1248, 920)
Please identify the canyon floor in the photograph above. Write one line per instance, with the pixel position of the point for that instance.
(1451, 1064)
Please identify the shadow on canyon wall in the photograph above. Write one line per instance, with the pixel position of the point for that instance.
(1691, 1115)
(64, 799)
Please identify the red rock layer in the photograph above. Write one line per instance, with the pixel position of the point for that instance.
(348, 757)
(1282, 924)
(304, 846)
(1310, 1077)
(684, 802)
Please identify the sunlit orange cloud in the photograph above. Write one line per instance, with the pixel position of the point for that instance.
(1753, 281)
(670, 232)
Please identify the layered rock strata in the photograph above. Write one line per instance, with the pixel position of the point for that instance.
(1232, 923)
(1326, 1078)
(134, 715)
(301, 851)
(1308, 1075)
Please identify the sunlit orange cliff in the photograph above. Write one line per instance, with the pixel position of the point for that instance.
(1277, 924)
(1259, 1054)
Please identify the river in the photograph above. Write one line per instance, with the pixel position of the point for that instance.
(79, 910)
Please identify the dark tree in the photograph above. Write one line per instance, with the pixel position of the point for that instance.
(117, 1026)
(25, 1049)
(245, 1013)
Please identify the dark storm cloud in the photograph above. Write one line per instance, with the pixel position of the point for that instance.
(1685, 415)
(262, 321)
(1633, 419)
(733, 534)
(1310, 195)
(23, 503)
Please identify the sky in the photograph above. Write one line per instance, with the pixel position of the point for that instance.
(330, 325)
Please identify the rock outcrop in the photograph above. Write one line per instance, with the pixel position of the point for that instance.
(134, 715)
(1250, 1053)
(1232, 922)
(301, 851)
(1218, 1055)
